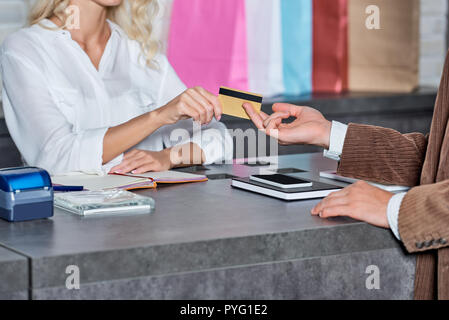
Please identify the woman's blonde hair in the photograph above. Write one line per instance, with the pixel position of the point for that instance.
(133, 16)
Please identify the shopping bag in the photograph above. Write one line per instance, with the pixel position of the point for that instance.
(383, 45)
(330, 46)
(264, 35)
(296, 18)
(208, 44)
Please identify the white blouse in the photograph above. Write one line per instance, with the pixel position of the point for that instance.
(58, 106)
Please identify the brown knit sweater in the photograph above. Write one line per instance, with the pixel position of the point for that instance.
(422, 162)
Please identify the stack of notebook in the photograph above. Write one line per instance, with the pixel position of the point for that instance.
(390, 188)
(126, 182)
(110, 194)
(317, 190)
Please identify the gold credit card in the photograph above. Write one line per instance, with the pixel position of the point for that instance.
(232, 100)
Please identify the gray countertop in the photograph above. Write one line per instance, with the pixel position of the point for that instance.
(13, 275)
(195, 227)
(235, 244)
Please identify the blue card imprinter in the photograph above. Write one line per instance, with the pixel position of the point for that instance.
(25, 194)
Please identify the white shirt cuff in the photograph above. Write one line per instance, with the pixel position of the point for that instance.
(336, 141)
(91, 151)
(216, 142)
(393, 212)
(114, 162)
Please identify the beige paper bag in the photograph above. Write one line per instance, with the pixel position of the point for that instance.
(385, 59)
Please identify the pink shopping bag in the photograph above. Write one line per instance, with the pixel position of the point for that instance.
(207, 43)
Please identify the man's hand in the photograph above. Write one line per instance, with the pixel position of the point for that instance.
(141, 161)
(309, 127)
(360, 201)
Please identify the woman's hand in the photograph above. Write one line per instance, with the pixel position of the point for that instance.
(196, 103)
(309, 127)
(141, 161)
(360, 201)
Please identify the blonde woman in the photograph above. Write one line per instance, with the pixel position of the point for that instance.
(98, 97)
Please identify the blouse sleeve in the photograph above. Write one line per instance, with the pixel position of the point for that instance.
(214, 138)
(41, 132)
